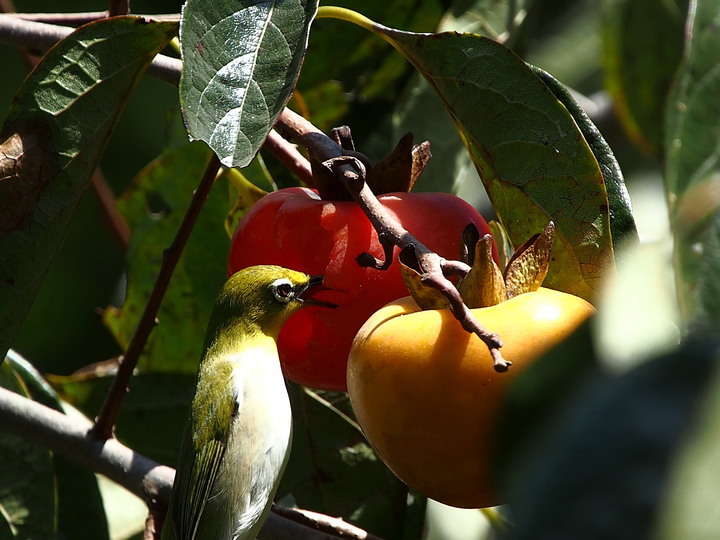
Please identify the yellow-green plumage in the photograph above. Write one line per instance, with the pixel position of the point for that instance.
(237, 440)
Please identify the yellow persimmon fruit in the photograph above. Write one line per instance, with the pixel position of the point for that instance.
(427, 396)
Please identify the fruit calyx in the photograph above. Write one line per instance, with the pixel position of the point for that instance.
(486, 284)
(397, 172)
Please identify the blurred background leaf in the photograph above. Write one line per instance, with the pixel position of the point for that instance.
(692, 491)
(692, 171)
(603, 469)
(640, 62)
(154, 206)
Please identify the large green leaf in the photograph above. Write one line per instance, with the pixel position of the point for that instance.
(154, 206)
(622, 221)
(532, 157)
(693, 168)
(640, 60)
(241, 62)
(52, 139)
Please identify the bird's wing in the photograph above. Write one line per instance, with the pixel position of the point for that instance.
(201, 457)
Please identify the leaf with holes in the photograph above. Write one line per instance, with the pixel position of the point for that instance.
(51, 142)
(241, 62)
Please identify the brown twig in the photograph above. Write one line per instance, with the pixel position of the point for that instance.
(289, 156)
(18, 32)
(106, 198)
(337, 527)
(126, 363)
(119, 7)
(80, 18)
(433, 268)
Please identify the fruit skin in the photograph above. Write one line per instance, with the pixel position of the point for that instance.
(427, 397)
(294, 228)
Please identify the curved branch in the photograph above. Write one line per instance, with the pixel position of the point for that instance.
(70, 436)
(143, 477)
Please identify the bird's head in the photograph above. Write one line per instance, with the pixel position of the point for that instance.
(261, 298)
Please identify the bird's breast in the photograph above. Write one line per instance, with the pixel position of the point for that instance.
(259, 443)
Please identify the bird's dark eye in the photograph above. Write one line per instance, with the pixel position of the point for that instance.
(283, 290)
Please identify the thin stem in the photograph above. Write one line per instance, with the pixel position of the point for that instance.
(325, 403)
(335, 527)
(32, 35)
(289, 155)
(78, 19)
(68, 19)
(119, 7)
(348, 15)
(106, 198)
(126, 363)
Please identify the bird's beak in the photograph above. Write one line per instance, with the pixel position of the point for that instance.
(314, 286)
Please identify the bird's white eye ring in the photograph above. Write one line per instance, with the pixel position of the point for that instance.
(283, 290)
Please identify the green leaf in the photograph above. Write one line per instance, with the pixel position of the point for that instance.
(333, 470)
(692, 169)
(52, 139)
(622, 222)
(603, 470)
(241, 62)
(640, 61)
(532, 157)
(154, 206)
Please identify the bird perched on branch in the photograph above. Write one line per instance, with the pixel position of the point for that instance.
(237, 441)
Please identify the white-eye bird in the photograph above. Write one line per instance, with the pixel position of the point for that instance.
(237, 441)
